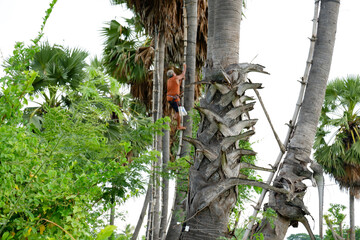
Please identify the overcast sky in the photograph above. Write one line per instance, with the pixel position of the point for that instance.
(273, 33)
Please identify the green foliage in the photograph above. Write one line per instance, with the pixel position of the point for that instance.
(105, 233)
(337, 140)
(335, 217)
(121, 57)
(302, 236)
(55, 175)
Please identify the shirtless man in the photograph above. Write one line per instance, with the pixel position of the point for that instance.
(173, 93)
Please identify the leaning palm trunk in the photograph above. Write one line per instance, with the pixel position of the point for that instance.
(142, 213)
(291, 208)
(290, 130)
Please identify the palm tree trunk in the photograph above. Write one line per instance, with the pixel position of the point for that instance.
(153, 216)
(227, 16)
(142, 214)
(294, 168)
(165, 183)
(190, 32)
(352, 216)
(178, 210)
(210, 37)
(211, 197)
(191, 11)
(159, 75)
(290, 131)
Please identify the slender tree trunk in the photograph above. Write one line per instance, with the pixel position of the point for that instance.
(178, 209)
(112, 210)
(142, 214)
(153, 216)
(191, 10)
(165, 183)
(210, 37)
(352, 215)
(291, 208)
(159, 76)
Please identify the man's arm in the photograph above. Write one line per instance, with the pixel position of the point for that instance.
(182, 75)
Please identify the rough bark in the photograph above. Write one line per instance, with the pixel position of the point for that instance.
(294, 168)
(215, 171)
(218, 133)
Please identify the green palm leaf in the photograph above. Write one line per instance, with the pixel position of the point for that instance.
(337, 142)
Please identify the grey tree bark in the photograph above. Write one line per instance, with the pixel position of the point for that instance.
(352, 217)
(159, 75)
(142, 214)
(227, 17)
(165, 183)
(291, 208)
(210, 37)
(191, 10)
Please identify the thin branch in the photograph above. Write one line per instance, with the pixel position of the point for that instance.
(282, 147)
(58, 227)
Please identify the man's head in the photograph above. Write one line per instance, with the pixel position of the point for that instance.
(170, 73)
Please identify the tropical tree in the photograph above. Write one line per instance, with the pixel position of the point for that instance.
(337, 145)
(166, 29)
(294, 169)
(301, 236)
(214, 174)
(57, 67)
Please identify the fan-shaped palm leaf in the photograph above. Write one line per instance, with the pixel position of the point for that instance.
(341, 156)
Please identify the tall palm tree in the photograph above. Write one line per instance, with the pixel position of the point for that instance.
(337, 142)
(215, 172)
(164, 21)
(291, 209)
(128, 58)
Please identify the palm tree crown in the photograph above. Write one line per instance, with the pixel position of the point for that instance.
(337, 145)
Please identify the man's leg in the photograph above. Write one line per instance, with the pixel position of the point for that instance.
(178, 118)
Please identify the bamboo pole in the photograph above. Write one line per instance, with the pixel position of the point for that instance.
(293, 120)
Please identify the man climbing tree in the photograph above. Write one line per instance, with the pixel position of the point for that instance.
(173, 93)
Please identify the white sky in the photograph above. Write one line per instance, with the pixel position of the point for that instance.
(275, 33)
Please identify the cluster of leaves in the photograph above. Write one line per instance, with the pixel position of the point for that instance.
(56, 172)
(127, 56)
